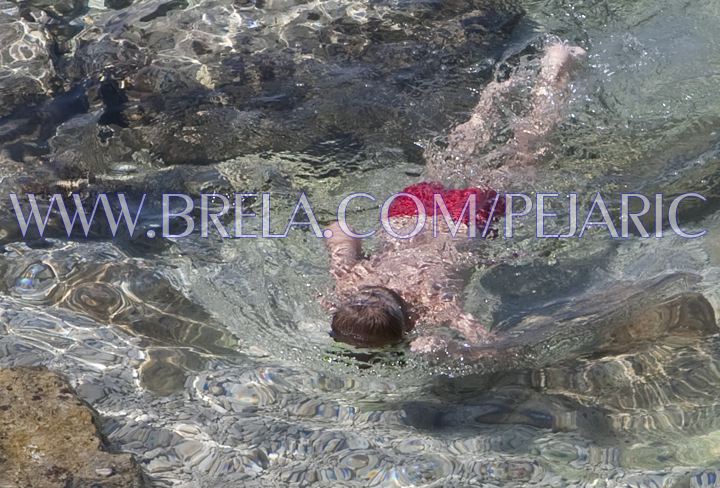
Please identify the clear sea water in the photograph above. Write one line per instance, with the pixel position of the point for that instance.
(210, 360)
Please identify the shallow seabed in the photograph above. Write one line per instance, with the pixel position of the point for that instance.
(209, 359)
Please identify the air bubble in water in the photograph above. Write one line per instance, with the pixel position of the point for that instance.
(37, 281)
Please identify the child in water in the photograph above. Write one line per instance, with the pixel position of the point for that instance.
(413, 283)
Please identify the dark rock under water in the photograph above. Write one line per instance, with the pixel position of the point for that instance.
(171, 79)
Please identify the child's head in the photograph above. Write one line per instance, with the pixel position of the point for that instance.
(374, 316)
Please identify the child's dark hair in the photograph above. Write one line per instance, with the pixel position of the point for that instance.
(374, 316)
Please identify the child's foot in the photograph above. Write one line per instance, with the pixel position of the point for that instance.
(559, 60)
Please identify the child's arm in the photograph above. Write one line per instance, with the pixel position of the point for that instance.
(473, 332)
(344, 250)
(443, 308)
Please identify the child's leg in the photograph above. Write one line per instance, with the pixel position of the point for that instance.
(466, 157)
(549, 97)
(469, 139)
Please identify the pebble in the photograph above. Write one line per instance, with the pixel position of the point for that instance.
(104, 472)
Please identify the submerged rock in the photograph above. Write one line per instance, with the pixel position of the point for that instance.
(55, 8)
(48, 437)
(226, 79)
(622, 318)
(118, 4)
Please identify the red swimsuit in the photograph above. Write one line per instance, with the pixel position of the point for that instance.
(455, 201)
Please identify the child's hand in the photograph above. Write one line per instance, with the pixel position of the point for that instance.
(437, 348)
(429, 344)
(472, 330)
